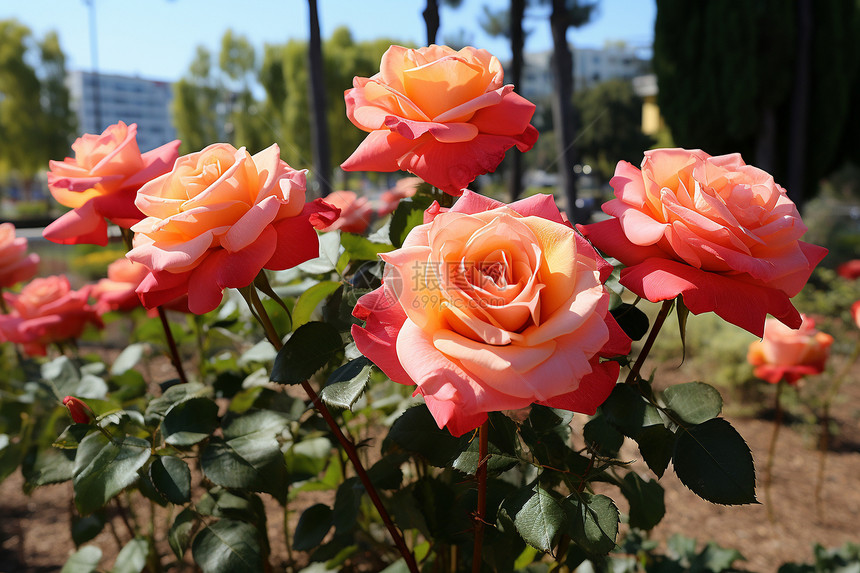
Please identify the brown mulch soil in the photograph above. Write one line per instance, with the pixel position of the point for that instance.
(35, 530)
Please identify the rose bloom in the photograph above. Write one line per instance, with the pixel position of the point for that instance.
(714, 230)
(100, 182)
(355, 212)
(443, 115)
(218, 218)
(489, 307)
(117, 292)
(404, 188)
(787, 354)
(80, 412)
(46, 311)
(16, 265)
(855, 312)
(849, 270)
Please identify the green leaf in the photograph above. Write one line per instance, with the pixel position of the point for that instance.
(361, 248)
(172, 477)
(309, 348)
(409, 214)
(130, 356)
(190, 422)
(347, 383)
(602, 437)
(593, 522)
(625, 409)
(310, 300)
(84, 560)
(72, 436)
(347, 501)
(248, 457)
(540, 519)
(132, 557)
(85, 528)
(226, 547)
(716, 558)
(656, 444)
(714, 461)
(386, 473)
(502, 447)
(693, 402)
(647, 507)
(313, 526)
(179, 535)
(416, 432)
(158, 407)
(632, 321)
(103, 469)
(47, 467)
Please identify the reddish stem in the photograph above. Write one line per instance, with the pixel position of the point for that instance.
(652, 337)
(481, 474)
(171, 344)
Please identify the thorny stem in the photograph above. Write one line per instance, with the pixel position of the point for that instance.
(348, 446)
(128, 239)
(771, 451)
(652, 337)
(481, 474)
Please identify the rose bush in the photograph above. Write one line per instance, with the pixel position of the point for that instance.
(441, 114)
(489, 307)
(355, 212)
(100, 182)
(787, 354)
(718, 232)
(46, 311)
(218, 218)
(16, 265)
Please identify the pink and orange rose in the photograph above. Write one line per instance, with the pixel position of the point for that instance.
(46, 311)
(118, 292)
(787, 354)
(16, 265)
(100, 182)
(443, 115)
(491, 307)
(218, 218)
(719, 233)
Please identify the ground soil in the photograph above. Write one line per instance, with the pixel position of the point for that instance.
(34, 530)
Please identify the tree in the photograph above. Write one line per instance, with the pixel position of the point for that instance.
(773, 80)
(36, 123)
(195, 103)
(613, 114)
(509, 23)
(431, 17)
(564, 15)
(319, 125)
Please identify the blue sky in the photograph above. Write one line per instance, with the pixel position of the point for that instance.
(157, 38)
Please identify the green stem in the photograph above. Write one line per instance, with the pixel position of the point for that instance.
(348, 446)
(771, 451)
(652, 337)
(481, 474)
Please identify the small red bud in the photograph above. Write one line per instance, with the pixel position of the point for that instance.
(79, 411)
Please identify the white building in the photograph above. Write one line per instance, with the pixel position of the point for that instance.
(590, 66)
(123, 98)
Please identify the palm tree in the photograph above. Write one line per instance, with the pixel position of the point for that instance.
(566, 13)
(319, 125)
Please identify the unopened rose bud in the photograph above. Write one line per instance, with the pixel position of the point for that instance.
(80, 412)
